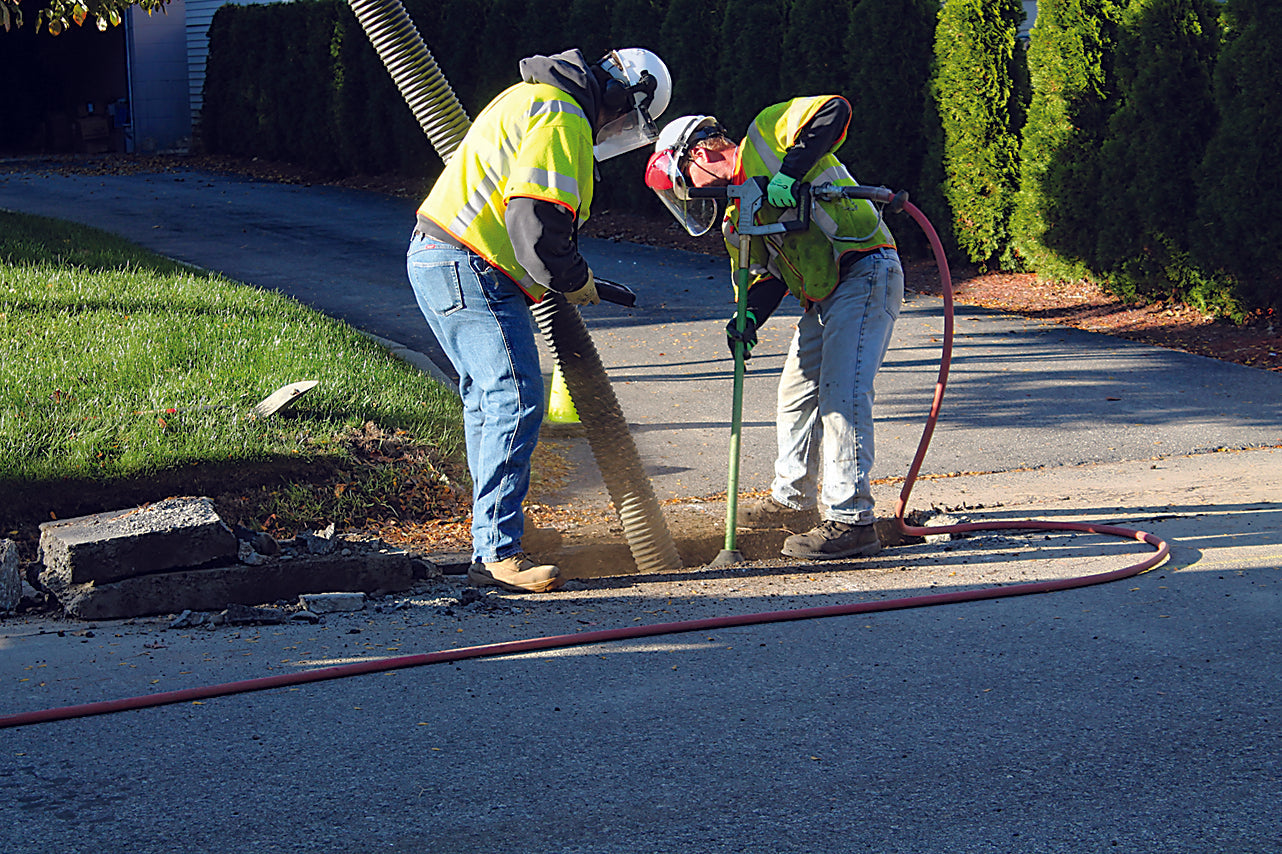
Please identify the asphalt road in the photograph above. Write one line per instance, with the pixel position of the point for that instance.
(1021, 393)
(1138, 716)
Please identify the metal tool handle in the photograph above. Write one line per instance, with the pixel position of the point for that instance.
(751, 195)
(880, 195)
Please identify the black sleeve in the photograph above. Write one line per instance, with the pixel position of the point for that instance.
(764, 297)
(817, 138)
(545, 241)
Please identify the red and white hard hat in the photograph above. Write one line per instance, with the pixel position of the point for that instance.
(664, 175)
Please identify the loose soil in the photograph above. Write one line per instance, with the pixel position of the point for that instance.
(435, 519)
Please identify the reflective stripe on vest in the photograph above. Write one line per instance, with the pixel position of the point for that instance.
(532, 141)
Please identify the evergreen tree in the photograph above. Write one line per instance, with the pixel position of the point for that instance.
(459, 59)
(502, 31)
(692, 57)
(1239, 226)
(542, 31)
(889, 52)
(813, 55)
(974, 92)
(1070, 59)
(635, 23)
(751, 56)
(1156, 138)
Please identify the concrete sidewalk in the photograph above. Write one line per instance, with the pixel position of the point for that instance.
(1135, 716)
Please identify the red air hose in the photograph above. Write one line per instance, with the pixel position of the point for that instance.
(632, 632)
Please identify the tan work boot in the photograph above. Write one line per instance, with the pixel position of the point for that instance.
(517, 573)
(768, 513)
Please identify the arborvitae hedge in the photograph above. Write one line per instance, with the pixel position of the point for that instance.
(299, 82)
(812, 60)
(1070, 60)
(1239, 224)
(691, 55)
(1163, 116)
(886, 79)
(751, 56)
(974, 91)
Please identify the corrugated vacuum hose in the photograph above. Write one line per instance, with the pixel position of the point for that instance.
(607, 431)
(414, 69)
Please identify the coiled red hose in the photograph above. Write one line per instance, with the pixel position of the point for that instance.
(632, 632)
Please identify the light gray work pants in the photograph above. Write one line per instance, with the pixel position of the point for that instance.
(824, 410)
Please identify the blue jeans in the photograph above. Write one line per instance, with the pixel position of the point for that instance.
(824, 410)
(481, 320)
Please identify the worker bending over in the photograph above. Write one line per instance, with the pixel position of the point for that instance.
(499, 231)
(846, 272)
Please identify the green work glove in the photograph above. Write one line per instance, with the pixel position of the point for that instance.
(748, 336)
(779, 191)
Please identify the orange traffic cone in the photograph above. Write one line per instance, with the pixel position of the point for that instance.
(560, 407)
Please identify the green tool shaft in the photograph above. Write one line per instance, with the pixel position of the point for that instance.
(736, 408)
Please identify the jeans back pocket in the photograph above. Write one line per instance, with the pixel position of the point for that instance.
(437, 285)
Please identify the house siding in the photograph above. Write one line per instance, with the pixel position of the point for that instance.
(199, 15)
(159, 116)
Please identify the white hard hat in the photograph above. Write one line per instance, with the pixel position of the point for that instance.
(664, 175)
(679, 134)
(640, 88)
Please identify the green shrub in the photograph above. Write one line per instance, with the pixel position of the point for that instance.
(1070, 59)
(812, 62)
(1239, 223)
(752, 54)
(299, 82)
(974, 92)
(1156, 137)
(691, 57)
(889, 53)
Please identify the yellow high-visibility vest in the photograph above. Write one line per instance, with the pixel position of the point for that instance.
(533, 140)
(807, 261)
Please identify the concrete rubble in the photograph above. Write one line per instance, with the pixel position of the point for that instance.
(10, 576)
(177, 556)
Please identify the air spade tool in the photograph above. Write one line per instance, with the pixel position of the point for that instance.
(749, 196)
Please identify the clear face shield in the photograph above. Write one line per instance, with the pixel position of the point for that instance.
(663, 175)
(628, 132)
(636, 127)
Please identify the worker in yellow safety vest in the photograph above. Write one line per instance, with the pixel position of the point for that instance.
(846, 273)
(499, 231)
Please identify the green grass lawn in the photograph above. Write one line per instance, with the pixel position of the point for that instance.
(117, 365)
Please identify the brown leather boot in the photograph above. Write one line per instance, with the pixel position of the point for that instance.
(831, 540)
(517, 573)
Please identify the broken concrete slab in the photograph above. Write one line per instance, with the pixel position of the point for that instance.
(214, 588)
(449, 563)
(318, 542)
(111, 546)
(251, 615)
(332, 603)
(10, 576)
